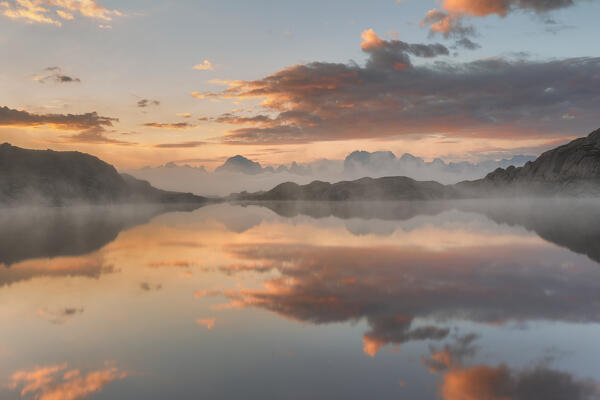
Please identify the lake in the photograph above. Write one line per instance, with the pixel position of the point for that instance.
(438, 300)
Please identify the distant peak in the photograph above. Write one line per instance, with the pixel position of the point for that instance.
(239, 163)
(238, 157)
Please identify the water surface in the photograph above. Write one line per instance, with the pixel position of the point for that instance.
(462, 300)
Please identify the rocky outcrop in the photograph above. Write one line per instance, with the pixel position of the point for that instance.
(49, 177)
(365, 189)
(572, 169)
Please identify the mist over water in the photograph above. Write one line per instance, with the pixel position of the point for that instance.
(452, 300)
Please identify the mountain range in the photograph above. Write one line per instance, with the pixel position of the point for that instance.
(572, 169)
(239, 173)
(64, 178)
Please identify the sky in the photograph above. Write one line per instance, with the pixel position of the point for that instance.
(145, 82)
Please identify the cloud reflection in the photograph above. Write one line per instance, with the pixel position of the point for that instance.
(57, 382)
(461, 381)
(391, 286)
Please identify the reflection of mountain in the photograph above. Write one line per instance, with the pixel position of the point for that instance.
(400, 210)
(27, 233)
(574, 224)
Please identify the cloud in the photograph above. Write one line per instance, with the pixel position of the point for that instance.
(449, 21)
(467, 44)
(394, 54)
(147, 102)
(57, 382)
(147, 287)
(43, 11)
(23, 119)
(204, 66)
(92, 126)
(390, 97)
(175, 125)
(185, 115)
(59, 316)
(208, 323)
(94, 136)
(171, 263)
(482, 8)
(182, 145)
(55, 74)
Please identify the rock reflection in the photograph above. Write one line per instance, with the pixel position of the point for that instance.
(28, 233)
(572, 223)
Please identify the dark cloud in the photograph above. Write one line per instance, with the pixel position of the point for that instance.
(175, 125)
(94, 136)
(147, 102)
(55, 74)
(92, 126)
(18, 118)
(182, 145)
(59, 316)
(147, 287)
(389, 96)
(467, 44)
(394, 54)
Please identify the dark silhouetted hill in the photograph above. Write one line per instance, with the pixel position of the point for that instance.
(62, 178)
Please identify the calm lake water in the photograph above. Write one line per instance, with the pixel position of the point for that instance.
(458, 301)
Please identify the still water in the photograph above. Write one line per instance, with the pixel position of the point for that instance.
(456, 301)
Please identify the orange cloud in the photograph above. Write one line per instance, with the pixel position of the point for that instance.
(390, 96)
(208, 323)
(46, 383)
(204, 66)
(41, 11)
(370, 40)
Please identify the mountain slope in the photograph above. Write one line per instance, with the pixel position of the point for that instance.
(571, 169)
(59, 178)
(388, 188)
